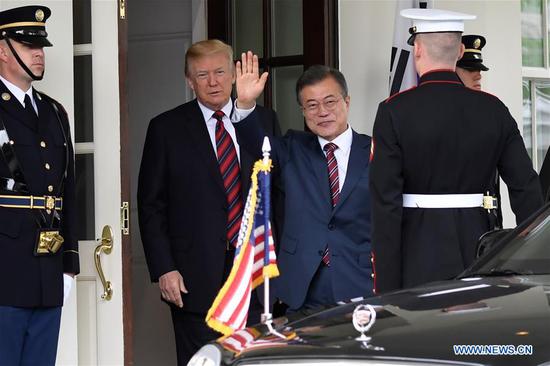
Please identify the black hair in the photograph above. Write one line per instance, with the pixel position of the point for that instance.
(317, 73)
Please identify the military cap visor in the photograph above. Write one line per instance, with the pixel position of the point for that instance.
(26, 24)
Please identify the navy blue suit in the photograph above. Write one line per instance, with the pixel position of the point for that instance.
(311, 223)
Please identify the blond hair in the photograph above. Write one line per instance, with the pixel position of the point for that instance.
(207, 48)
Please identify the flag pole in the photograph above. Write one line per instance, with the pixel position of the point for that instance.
(267, 317)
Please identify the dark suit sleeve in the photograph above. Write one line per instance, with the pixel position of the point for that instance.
(516, 170)
(71, 262)
(386, 187)
(152, 199)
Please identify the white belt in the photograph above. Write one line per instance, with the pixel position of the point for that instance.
(443, 200)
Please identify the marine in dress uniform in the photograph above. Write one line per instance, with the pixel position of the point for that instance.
(436, 148)
(37, 196)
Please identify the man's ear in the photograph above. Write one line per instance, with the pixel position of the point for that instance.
(417, 49)
(4, 53)
(189, 83)
(461, 53)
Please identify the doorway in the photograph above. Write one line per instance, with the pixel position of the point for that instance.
(159, 33)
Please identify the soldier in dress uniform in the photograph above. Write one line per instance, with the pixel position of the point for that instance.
(38, 246)
(436, 148)
(470, 66)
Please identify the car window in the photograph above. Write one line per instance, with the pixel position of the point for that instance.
(528, 252)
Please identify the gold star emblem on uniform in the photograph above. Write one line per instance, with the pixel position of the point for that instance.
(6, 96)
(477, 43)
(39, 15)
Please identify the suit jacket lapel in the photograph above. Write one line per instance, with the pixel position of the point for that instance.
(14, 108)
(318, 163)
(201, 141)
(358, 160)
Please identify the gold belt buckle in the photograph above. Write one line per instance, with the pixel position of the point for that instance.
(49, 202)
(490, 202)
(49, 242)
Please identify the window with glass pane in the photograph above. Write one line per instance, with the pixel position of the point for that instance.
(247, 27)
(84, 172)
(289, 112)
(527, 137)
(82, 21)
(83, 107)
(542, 95)
(532, 42)
(287, 38)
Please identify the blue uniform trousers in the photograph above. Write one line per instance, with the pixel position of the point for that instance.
(28, 336)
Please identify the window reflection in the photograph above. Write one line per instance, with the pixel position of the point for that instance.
(532, 43)
(527, 137)
(284, 97)
(542, 93)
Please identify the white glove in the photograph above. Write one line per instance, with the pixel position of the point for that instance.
(67, 285)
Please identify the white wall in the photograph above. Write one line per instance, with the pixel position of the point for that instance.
(366, 34)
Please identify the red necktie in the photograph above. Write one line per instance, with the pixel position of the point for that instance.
(334, 183)
(231, 175)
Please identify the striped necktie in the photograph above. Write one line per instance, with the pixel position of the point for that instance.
(231, 175)
(333, 180)
(334, 183)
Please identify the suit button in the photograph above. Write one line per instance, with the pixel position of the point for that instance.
(331, 227)
(50, 188)
(372, 275)
(42, 144)
(47, 166)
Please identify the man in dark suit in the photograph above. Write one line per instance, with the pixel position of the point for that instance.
(324, 253)
(38, 246)
(193, 180)
(436, 149)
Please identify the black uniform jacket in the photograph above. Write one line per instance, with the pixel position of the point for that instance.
(25, 279)
(440, 138)
(182, 204)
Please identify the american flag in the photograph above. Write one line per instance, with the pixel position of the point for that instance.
(254, 260)
(402, 71)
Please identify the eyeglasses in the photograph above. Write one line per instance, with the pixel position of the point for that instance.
(330, 104)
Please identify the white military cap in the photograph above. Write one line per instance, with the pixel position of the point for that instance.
(434, 21)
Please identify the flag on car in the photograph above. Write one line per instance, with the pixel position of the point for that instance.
(254, 257)
(402, 71)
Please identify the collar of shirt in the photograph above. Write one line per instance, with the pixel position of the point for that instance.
(207, 112)
(343, 141)
(19, 94)
(211, 125)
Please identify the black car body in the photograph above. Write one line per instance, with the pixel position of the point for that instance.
(496, 313)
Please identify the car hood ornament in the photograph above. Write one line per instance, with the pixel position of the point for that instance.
(363, 319)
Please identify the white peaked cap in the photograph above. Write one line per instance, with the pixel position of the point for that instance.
(435, 20)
